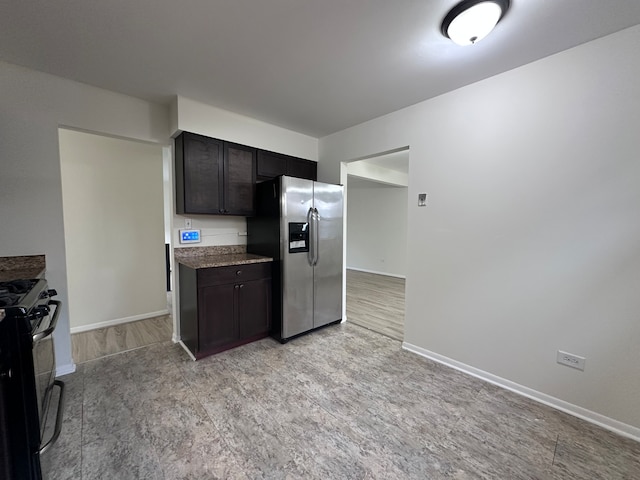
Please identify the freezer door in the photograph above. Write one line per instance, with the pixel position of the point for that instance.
(328, 201)
(297, 272)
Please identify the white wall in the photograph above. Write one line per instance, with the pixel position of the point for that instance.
(531, 240)
(196, 117)
(32, 107)
(376, 228)
(112, 193)
(191, 116)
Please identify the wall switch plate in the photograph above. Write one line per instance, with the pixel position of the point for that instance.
(190, 236)
(570, 360)
(422, 199)
(187, 223)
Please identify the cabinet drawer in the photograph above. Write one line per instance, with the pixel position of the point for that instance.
(233, 274)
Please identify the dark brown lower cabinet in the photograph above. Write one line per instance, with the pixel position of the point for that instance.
(224, 307)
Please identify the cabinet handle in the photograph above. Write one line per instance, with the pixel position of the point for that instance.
(236, 286)
(242, 286)
(239, 272)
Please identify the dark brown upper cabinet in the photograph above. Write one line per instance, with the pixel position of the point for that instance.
(272, 164)
(214, 177)
(239, 183)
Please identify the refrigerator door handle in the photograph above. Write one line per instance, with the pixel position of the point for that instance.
(316, 236)
(311, 252)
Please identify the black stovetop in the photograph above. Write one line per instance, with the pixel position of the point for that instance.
(18, 297)
(11, 293)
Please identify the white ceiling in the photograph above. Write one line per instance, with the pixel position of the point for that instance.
(312, 66)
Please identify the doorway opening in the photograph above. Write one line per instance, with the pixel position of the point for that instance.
(376, 232)
(115, 234)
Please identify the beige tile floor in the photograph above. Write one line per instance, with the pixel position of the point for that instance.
(342, 402)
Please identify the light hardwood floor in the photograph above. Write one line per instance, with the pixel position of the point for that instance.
(120, 338)
(376, 302)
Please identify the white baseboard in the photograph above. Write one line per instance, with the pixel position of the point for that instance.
(615, 426)
(187, 350)
(117, 321)
(376, 273)
(65, 369)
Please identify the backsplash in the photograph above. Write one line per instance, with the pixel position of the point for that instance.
(214, 231)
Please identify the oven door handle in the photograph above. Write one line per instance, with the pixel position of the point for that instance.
(52, 326)
(58, 427)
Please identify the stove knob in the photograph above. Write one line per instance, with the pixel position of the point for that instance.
(52, 292)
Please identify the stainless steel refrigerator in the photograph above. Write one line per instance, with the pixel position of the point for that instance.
(299, 224)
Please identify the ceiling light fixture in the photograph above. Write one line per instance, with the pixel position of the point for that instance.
(472, 20)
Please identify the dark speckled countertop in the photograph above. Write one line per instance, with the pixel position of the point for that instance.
(217, 256)
(22, 267)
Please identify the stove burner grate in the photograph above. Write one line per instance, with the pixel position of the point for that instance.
(8, 298)
(17, 286)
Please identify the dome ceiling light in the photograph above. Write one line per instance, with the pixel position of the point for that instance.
(472, 20)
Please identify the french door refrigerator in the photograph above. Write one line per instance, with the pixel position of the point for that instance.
(299, 224)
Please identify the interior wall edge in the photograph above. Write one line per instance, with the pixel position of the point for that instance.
(65, 369)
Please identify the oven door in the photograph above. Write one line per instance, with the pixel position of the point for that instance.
(44, 360)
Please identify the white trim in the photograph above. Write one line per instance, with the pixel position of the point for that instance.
(376, 273)
(117, 321)
(187, 350)
(615, 426)
(65, 369)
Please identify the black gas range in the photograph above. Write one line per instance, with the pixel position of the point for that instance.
(28, 318)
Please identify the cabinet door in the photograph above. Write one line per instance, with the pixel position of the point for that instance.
(216, 317)
(199, 164)
(301, 168)
(271, 165)
(254, 308)
(239, 179)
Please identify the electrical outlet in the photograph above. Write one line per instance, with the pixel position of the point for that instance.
(187, 223)
(570, 360)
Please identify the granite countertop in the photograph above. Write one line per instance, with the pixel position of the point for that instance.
(22, 267)
(218, 256)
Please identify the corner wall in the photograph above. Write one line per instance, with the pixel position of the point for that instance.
(531, 240)
(112, 193)
(377, 228)
(32, 107)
